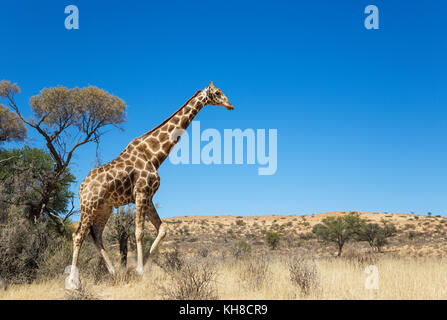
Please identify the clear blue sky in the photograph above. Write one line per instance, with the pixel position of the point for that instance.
(361, 114)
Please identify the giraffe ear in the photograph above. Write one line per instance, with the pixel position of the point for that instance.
(211, 85)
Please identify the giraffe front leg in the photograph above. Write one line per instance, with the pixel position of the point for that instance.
(72, 282)
(139, 225)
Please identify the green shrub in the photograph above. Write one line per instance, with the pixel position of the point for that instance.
(375, 235)
(240, 249)
(240, 222)
(272, 239)
(339, 230)
(147, 244)
(306, 236)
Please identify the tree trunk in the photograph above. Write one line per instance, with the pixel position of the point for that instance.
(123, 251)
(48, 187)
(340, 248)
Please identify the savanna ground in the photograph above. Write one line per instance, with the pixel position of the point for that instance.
(199, 259)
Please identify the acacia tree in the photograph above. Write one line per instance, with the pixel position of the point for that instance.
(339, 230)
(377, 236)
(66, 119)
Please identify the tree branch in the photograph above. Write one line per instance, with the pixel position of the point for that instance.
(50, 146)
(8, 159)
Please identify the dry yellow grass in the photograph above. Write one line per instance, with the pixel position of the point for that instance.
(399, 278)
(410, 269)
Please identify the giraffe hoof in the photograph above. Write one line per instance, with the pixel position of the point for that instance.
(139, 271)
(72, 283)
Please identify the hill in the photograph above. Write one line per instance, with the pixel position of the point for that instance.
(417, 235)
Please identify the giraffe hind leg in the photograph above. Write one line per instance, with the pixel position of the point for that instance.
(96, 232)
(161, 232)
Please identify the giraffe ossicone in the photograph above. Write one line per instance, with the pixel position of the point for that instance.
(132, 177)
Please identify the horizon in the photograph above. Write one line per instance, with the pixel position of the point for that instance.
(360, 114)
(300, 214)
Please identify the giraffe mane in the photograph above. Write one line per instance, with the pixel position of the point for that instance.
(170, 117)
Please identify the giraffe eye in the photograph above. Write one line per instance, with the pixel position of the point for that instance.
(218, 94)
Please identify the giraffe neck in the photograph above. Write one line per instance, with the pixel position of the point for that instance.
(159, 142)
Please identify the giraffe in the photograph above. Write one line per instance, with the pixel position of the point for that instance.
(132, 178)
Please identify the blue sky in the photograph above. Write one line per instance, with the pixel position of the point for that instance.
(361, 114)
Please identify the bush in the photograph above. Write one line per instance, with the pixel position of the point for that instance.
(90, 263)
(254, 272)
(25, 233)
(172, 261)
(203, 252)
(306, 236)
(22, 246)
(194, 281)
(240, 222)
(31, 250)
(272, 239)
(375, 235)
(240, 249)
(184, 231)
(303, 273)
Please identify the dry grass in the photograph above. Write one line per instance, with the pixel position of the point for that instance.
(412, 267)
(399, 278)
(195, 280)
(303, 273)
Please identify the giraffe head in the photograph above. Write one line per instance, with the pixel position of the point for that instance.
(217, 98)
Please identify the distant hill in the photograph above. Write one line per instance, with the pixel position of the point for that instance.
(418, 235)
